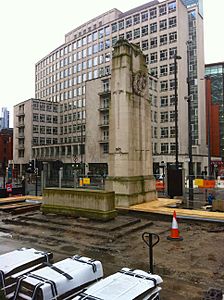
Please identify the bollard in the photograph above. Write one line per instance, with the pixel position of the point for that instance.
(148, 239)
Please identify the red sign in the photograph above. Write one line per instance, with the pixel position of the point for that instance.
(9, 187)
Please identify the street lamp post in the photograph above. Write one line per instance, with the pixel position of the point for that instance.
(190, 164)
(176, 57)
(208, 104)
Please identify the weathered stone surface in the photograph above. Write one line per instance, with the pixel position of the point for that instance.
(130, 147)
(91, 204)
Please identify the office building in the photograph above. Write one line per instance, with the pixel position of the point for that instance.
(4, 119)
(214, 78)
(68, 74)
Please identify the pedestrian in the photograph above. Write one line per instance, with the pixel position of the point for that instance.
(210, 198)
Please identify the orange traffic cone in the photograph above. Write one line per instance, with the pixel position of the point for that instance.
(174, 232)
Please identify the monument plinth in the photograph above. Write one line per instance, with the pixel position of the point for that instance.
(130, 147)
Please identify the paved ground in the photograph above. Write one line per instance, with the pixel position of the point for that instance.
(188, 268)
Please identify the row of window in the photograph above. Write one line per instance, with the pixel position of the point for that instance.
(103, 58)
(75, 128)
(56, 150)
(86, 64)
(45, 130)
(49, 107)
(100, 72)
(49, 141)
(165, 116)
(165, 132)
(152, 13)
(64, 119)
(145, 16)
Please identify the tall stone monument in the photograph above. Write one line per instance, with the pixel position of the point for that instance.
(130, 147)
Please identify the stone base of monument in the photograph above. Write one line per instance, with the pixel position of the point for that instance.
(132, 190)
(92, 204)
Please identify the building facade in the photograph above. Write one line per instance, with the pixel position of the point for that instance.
(68, 74)
(6, 150)
(214, 78)
(4, 119)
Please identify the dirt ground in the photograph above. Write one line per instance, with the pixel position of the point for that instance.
(188, 268)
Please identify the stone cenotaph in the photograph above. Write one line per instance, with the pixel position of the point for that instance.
(130, 173)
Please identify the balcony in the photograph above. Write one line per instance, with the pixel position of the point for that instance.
(104, 140)
(105, 92)
(20, 124)
(103, 125)
(104, 108)
(21, 146)
(20, 113)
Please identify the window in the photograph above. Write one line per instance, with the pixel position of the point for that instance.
(154, 71)
(128, 22)
(114, 27)
(163, 54)
(171, 7)
(106, 148)
(164, 147)
(144, 30)
(121, 25)
(163, 85)
(163, 70)
(114, 40)
(35, 129)
(42, 141)
(145, 45)
(107, 44)
(162, 10)
(136, 19)
(101, 33)
(107, 30)
(172, 84)
(136, 33)
(164, 132)
(48, 130)
(144, 16)
(35, 141)
(172, 52)
(153, 57)
(35, 105)
(171, 69)
(55, 130)
(106, 86)
(172, 116)
(153, 27)
(163, 24)
(42, 118)
(164, 117)
(36, 117)
(172, 147)
(164, 101)
(95, 48)
(153, 42)
(129, 35)
(163, 39)
(172, 37)
(89, 38)
(172, 131)
(172, 22)
(105, 135)
(94, 36)
(153, 13)
(89, 51)
(172, 100)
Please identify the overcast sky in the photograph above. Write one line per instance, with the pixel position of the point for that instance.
(30, 29)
